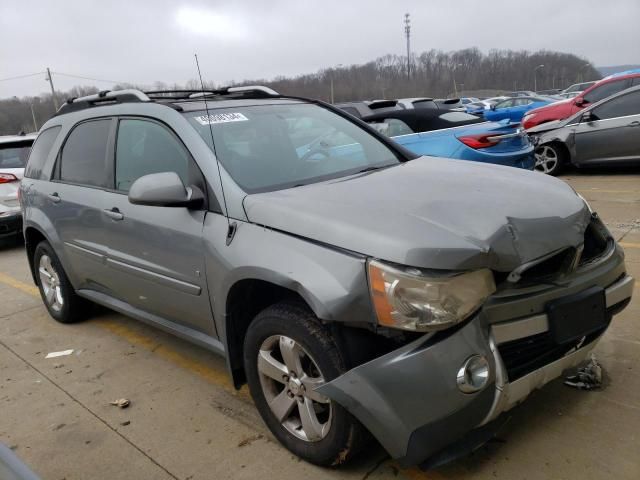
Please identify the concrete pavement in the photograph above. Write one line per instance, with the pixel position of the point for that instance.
(186, 421)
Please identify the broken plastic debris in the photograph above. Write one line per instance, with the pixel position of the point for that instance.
(121, 402)
(59, 354)
(588, 377)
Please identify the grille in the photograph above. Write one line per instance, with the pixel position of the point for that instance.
(595, 243)
(525, 355)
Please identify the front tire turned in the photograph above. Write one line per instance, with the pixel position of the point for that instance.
(288, 353)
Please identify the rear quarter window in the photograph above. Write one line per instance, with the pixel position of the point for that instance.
(83, 158)
(40, 152)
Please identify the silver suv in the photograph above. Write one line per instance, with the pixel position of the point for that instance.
(356, 288)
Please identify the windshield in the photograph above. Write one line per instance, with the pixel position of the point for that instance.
(14, 155)
(271, 147)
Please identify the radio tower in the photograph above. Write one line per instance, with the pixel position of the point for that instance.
(407, 31)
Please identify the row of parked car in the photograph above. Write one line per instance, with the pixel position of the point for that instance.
(528, 130)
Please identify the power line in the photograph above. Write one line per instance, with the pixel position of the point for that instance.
(88, 78)
(21, 76)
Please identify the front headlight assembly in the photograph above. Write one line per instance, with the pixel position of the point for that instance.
(409, 299)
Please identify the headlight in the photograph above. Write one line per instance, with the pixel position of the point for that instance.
(408, 299)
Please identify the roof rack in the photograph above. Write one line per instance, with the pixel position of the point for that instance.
(249, 90)
(107, 97)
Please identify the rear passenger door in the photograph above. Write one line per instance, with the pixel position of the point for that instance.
(156, 253)
(74, 199)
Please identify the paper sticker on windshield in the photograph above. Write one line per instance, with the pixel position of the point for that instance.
(220, 118)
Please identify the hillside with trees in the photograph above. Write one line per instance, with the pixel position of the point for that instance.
(432, 73)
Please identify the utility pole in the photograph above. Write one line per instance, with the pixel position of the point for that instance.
(407, 31)
(53, 92)
(33, 115)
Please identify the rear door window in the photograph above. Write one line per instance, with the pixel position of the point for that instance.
(40, 152)
(83, 158)
(606, 90)
(144, 147)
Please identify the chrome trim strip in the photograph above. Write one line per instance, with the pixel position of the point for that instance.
(513, 393)
(155, 277)
(85, 252)
(525, 327)
(620, 291)
(508, 331)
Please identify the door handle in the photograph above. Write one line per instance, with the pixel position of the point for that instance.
(635, 123)
(113, 214)
(54, 197)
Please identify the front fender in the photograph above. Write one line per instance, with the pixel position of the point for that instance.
(332, 281)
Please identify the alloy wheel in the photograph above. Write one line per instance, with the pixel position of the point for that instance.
(546, 159)
(288, 376)
(50, 283)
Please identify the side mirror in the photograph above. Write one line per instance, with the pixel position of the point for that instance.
(579, 101)
(164, 190)
(587, 117)
(493, 107)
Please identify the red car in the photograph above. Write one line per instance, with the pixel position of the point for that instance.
(561, 110)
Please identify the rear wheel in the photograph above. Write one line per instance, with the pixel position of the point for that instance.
(287, 354)
(550, 159)
(56, 291)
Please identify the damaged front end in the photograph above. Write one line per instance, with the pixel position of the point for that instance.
(450, 385)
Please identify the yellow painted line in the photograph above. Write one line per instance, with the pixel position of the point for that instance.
(207, 372)
(630, 244)
(24, 287)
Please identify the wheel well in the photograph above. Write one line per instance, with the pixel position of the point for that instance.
(245, 300)
(32, 237)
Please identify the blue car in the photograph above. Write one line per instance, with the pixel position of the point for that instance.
(457, 135)
(515, 108)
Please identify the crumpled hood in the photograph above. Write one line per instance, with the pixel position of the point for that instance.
(433, 213)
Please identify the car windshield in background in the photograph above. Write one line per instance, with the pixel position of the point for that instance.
(271, 147)
(14, 155)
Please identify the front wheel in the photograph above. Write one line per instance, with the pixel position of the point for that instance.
(287, 354)
(550, 159)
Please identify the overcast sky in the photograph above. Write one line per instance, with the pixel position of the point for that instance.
(141, 41)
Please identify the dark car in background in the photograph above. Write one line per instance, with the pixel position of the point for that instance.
(607, 133)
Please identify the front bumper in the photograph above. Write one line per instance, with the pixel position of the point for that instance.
(409, 399)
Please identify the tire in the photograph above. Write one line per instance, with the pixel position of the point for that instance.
(336, 435)
(57, 293)
(550, 159)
